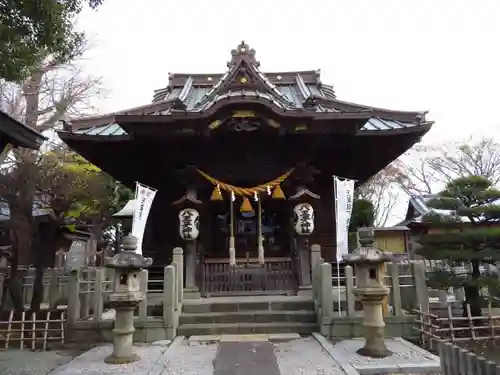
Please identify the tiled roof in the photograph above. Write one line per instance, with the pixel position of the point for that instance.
(127, 210)
(19, 133)
(420, 202)
(421, 207)
(294, 92)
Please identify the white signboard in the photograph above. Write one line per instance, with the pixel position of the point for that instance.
(344, 196)
(143, 202)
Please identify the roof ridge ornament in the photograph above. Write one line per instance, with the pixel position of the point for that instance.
(243, 52)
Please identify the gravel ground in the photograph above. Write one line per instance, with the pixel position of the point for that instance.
(92, 362)
(26, 362)
(305, 357)
(403, 354)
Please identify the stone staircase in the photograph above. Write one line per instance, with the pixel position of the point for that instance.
(247, 315)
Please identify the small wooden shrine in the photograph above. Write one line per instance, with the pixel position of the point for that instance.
(243, 163)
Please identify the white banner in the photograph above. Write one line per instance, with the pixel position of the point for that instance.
(143, 201)
(344, 197)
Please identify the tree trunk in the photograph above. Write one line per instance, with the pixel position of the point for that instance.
(21, 223)
(473, 299)
(22, 226)
(37, 299)
(45, 252)
(15, 285)
(472, 296)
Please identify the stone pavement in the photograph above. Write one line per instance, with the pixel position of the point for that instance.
(24, 362)
(235, 358)
(253, 354)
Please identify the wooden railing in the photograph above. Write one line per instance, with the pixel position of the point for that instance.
(33, 330)
(456, 328)
(276, 275)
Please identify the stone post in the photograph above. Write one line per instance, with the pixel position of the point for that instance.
(169, 298)
(191, 290)
(396, 289)
(316, 260)
(124, 299)
(349, 291)
(325, 274)
(98, 295)
(73, 297)
(178, 258)
(143, 287)
(418, 271)
(315, 254)
(305, 287)
(85, 287)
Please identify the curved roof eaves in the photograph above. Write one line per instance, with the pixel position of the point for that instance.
(372, 125)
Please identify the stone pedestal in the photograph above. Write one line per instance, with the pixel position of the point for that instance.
(123, 335)
(373, 323)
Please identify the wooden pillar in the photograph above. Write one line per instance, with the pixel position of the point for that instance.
(305, 263)
(189, 223)
(303, 204)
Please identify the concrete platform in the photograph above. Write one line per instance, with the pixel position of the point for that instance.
(231, 354)
(407, 358)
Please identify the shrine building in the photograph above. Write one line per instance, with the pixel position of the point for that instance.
(243, 163)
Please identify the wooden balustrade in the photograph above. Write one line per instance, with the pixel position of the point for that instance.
(276, 275)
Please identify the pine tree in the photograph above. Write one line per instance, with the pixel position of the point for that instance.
(464, 232)
(363, 215)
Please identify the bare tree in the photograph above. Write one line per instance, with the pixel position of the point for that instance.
(427, 169)
(383, 191)
(52, 92)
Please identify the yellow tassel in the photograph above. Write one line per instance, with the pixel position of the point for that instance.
(246, 206)
(216, 195)
(278, 193)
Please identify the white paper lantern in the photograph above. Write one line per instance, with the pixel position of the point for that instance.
(189, 224)
(303, 219)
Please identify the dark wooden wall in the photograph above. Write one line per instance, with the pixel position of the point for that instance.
(162, 233)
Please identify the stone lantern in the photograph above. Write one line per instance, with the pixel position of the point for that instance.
(369, 267)
(125, 297)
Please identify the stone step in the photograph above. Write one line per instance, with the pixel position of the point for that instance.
(303, 316)
(245, 328)
(289, 304)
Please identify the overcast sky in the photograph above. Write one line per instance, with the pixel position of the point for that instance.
(437, 55)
